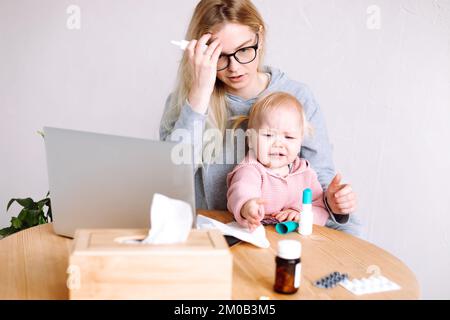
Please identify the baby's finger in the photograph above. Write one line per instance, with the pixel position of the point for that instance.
(282, 212)
(253, 226)
(281, 216)
(261, 211)
(255, 223)
(250, 226)
(254, 218)
(292, 215)
(254, 212)
(251, 220)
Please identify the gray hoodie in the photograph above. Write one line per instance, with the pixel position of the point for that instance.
(210, 180)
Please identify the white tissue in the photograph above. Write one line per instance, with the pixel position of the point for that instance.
(257, 237)
(171, 220)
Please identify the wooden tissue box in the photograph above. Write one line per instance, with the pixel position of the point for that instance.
(101, 266)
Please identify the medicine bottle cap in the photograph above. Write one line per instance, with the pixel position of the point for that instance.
(289, 249)
(307, 196)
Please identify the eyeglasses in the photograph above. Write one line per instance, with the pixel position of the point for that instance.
(243, 56)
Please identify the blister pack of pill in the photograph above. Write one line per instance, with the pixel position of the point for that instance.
(331, 280)
(373, 284)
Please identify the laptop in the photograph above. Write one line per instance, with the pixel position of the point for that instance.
(107, 181)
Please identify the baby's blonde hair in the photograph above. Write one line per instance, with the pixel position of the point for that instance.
(271, 102)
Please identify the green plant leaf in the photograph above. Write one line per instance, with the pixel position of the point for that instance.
(16, 223)
(7, 231)
(49, 212)
(10, 203)
(42, 203)
(26, 203)
(23, 215)
(33, 217)
(37, 212)
(48, 193)
(42, 220)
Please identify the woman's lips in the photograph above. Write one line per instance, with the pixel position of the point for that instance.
(237, 79)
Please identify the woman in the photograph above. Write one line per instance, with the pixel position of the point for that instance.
(224, 81)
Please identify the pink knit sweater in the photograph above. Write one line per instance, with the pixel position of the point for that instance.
(250, 179)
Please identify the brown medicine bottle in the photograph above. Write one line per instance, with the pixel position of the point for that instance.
(288, 266)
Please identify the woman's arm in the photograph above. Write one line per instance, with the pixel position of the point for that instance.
(316, 148)
(188, 126)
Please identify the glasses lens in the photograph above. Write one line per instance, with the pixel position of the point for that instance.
(246, 55)
(243, 56)
(222, 63)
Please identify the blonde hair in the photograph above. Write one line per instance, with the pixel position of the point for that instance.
(271, 102)
(208, 15)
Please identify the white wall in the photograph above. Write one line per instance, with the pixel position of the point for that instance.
(385, 93)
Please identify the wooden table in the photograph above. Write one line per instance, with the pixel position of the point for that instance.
(33, 265)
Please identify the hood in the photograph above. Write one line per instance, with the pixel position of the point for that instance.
(299, 165)
(277, 81)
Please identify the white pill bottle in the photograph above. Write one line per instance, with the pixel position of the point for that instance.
(306, 216)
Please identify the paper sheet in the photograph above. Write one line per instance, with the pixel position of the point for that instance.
(257, 237)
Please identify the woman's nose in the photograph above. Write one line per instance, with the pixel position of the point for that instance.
(233, 64)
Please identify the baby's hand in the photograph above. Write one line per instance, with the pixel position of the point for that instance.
(287, 215)
(253, 212)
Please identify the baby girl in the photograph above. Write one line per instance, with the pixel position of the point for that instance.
(267, 186)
